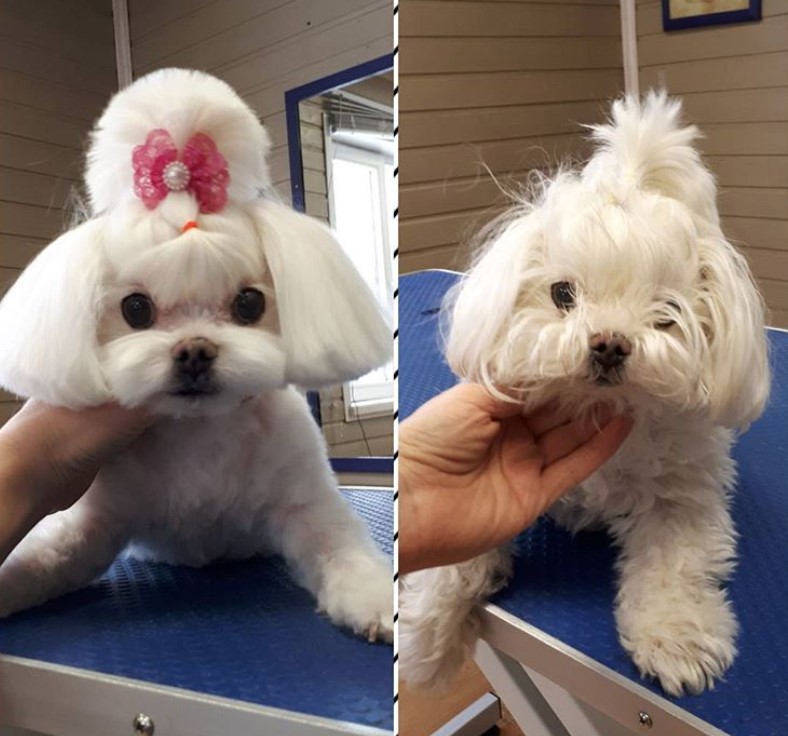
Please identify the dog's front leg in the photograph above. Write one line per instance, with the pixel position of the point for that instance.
(438, 625)
(673, 617)
(331, 553)
(64, 552)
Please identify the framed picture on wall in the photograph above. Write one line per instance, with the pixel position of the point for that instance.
(677, 14)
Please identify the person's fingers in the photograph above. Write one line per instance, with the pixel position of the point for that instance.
(495, 407)
(67, 435)
(566, 438)
(114, 420)
(575, 467)
(548, 417)
(518, 445)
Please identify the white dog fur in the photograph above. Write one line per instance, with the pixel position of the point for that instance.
(636, 233)
(226, 475)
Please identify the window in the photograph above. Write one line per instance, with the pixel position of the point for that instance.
(360, 172)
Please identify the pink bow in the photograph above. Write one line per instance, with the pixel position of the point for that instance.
(201, 170)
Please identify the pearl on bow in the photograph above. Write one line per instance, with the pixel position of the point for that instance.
(176, 176)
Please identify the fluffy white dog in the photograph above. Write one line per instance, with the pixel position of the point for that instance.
(616, 285)
(189, 292)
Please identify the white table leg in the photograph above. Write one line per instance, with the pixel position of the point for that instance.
(537, 704)
(518, 693)
(578, 717)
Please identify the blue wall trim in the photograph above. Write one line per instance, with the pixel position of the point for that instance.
(363, 465)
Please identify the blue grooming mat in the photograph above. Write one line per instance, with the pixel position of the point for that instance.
(565, 587)
(240, 630)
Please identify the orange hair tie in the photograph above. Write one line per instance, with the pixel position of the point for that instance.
(188, 226)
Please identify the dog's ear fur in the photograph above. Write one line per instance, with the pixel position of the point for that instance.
(48, 321)
(646, 145)
(479, 307)
(332, 327)
(736, 377)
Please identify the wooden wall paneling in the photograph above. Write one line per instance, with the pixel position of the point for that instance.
(67, 19)
(92, 53)
(27, 122)
(442, 127)
(489, 93)
(438, 18)
(443, 163)
(29, 220)
(26, 154)
(150, 16)
(457, 55)
(24, 187)
(16, 251)
(283, 26)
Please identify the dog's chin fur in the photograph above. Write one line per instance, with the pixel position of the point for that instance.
(636, 232)
(241, 469)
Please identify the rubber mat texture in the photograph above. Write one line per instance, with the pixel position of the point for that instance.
(565, 586)
(241, 630)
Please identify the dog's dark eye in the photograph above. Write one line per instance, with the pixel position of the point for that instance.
(248, 306)
(138, 311)
(563, 293)
(668, 323)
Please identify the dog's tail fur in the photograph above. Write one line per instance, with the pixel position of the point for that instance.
(437, 623)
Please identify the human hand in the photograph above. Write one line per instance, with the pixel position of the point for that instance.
(474, 472)
(49, 456)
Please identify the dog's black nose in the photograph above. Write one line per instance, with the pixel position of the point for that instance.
(194, 357)
(609, 350)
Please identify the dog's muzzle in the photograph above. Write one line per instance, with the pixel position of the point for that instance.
(608, 354)
(193, 362)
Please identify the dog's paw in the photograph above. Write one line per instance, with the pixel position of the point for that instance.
(360, 597)
(687, 648)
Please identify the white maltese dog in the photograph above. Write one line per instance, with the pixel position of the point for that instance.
(616, 285)
(189, 292)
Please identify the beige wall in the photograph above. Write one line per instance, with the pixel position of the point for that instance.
(57, 71)
(261, 47)
(734, 81)
(505, 84)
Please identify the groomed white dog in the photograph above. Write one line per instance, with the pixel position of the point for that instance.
(616, 285)
(189, 292)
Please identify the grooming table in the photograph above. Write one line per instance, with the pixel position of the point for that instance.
(549, 645)
(234, 649)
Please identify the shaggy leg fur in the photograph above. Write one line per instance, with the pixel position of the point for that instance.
(65, 552)
(672, 616)
(438, 627)
(331, 554)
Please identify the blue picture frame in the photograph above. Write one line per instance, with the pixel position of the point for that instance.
(744, 15)
(292, 98)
